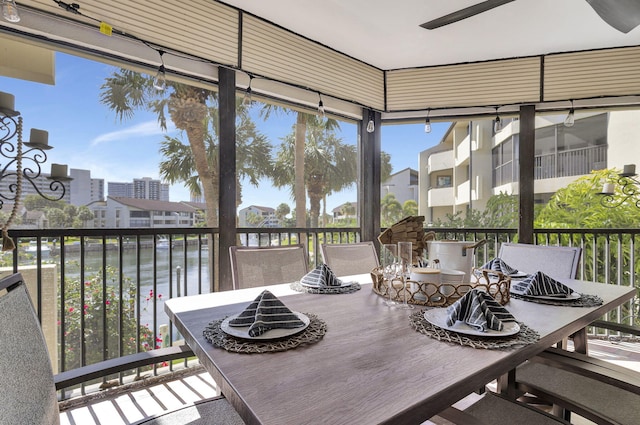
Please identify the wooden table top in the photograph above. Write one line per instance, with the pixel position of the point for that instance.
(371, 366)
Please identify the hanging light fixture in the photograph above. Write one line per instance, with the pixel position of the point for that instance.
(497, 123)
(427, 123)
(247, 96)
(320, 106)
(160, 80)
(570, 120)
(371, 126)
(10, 11)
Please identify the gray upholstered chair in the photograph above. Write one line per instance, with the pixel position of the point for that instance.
(595, 389)
(270, 265)
(27, 390)
(493, 409)
(350, 258)
(28, 386)
(559, 262)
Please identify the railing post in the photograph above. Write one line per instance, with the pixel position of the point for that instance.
(178, 285)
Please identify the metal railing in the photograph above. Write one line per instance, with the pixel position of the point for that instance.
(99, 293)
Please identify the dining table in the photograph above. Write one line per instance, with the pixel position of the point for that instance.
(370, 366)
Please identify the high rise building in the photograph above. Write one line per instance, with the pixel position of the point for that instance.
(144, 188)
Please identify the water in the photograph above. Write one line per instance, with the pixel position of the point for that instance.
(173, 275)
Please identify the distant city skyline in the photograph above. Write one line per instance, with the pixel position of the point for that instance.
(85, 134)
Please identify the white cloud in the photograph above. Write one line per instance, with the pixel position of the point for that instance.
(148, 128)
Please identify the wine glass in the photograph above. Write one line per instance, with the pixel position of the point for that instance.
(405, 257)
(389, 259)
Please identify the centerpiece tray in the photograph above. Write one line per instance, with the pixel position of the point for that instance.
(442, 294)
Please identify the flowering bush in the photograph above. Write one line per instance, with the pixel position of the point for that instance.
(108, 314)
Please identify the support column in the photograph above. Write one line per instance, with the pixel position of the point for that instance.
(369, 148)
(526, 155)
(227, 191)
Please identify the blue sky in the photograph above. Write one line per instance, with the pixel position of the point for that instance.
(87, 135)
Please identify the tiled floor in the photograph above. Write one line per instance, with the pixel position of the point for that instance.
(123, 406)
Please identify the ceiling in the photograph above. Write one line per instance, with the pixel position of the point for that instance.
(387, 35)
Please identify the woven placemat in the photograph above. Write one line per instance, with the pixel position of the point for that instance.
(218, 338)
(526, 335)
(584, 301)
(297, 286)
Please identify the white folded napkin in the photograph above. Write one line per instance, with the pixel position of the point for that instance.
(321, 276)
(479, 310)
(266, 312)
(498, 265)
(539, 284)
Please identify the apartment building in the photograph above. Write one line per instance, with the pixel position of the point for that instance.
(562, 154)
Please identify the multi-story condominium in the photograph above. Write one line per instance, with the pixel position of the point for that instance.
(402, 184)
(267, 216)
(562, 154)
(31, 187)
(144, 188)
(145, 213)
(83, 189)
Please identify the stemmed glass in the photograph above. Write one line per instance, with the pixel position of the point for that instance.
(389, 260)
(405, 256)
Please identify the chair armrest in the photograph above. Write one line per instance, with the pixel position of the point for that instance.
(618, 327)
(458, 417)
(591, 367)
(120, 364)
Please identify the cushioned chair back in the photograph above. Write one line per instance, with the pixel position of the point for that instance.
(27, 391)
(260, 266)
(350, 258)
(559, 262)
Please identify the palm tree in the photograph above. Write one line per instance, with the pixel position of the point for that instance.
(390, 210)
(298, 158)
(253, 155)
(126, 91)
(329, 164)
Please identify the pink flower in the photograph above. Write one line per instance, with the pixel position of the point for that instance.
(70, 309)
(107, 302)
(158, 339)
(159, 295)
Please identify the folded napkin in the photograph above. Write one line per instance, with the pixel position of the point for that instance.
(321, 276)
(479, 310)
(540, 284)
(266, 312)
(498, 265)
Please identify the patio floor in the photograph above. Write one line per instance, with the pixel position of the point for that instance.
(130, 403)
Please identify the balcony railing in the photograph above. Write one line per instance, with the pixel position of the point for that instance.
(99, 293)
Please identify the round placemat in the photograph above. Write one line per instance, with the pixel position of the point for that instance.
(524, 337)
(218, 338)
(297, 286)
(584, 301)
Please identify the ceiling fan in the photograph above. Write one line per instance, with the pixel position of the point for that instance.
(623, 15)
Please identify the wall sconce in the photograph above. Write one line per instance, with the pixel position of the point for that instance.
(628, 188)
(12, 150)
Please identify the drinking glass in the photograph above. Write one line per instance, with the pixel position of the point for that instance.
(405, 257)
(389, 260)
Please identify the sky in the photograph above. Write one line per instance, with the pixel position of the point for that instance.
(87, 135)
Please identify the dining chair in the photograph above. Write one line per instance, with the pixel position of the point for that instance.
(350, 258)
(559, 262)
(491, 408)
(598, 390)
(28, 385)
(270, 265)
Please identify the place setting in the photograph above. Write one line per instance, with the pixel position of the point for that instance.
(476, 320)
(322, 280)
(265, 325)
(543, 289)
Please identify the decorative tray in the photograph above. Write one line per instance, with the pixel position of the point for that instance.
(442, 294)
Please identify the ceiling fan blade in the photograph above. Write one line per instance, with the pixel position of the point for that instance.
(623, 15)
(465, 13)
